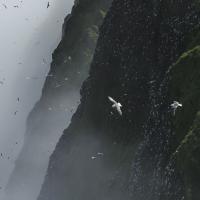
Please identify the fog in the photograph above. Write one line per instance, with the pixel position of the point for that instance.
(29, 34)
(40, 141)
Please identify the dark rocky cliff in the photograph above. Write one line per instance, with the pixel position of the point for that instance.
(60, 96)
(185, 85)
(147, 154)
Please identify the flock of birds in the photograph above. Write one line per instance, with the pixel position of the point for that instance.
(117, 106)
(20, 63)
(97, 155)
(17, 6)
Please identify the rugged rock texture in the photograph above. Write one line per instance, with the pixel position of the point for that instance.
(60, 96)
(185, 86)
(139, 43)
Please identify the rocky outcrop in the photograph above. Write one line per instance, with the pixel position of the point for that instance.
(104, 156)
(60, 97)
(185, 87)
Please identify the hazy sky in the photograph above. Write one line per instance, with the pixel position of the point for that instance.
(29, 34)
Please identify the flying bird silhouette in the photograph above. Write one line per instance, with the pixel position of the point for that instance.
(175, 105)
(116, 105)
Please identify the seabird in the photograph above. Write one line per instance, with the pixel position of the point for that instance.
(4, 5)
(175, 105)
(48, 4)
(93, 157)
(116, 105)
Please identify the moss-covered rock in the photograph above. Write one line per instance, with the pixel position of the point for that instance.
(188, 160)
(185, 87)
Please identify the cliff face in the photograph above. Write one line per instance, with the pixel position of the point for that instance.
(104, 156)
(185, 85)
(60, 97)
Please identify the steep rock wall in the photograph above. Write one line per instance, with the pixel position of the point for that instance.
(60, 97)
(139, 41)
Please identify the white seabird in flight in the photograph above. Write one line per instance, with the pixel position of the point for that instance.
(175, 105)
(116, 105)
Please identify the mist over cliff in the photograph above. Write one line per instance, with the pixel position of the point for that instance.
(145, 54)
(24, 47)
(60, 97)
(146, 57)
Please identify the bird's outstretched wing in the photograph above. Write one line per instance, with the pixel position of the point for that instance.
(119, 110)
(112, 100)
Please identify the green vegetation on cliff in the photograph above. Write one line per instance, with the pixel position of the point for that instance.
(185, 87)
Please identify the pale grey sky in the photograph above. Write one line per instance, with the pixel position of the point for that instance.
(29, 33)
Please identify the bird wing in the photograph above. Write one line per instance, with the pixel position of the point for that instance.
(114, 106)
(119, 110)
(112, 100)
(119, 104)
